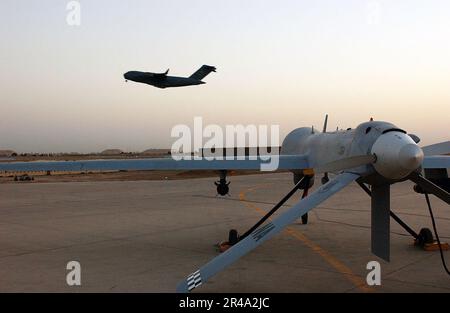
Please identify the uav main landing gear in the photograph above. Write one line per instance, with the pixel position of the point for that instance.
(233, 236)
(424, 239)
(305, 185)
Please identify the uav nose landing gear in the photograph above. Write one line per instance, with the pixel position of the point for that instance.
(222, 185)
(305, 185)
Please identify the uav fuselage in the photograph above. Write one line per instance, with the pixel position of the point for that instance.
(395, 153)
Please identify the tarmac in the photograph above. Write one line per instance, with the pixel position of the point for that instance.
(146, 236)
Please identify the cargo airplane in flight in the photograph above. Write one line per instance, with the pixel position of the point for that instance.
(375, 154)
(162, 80)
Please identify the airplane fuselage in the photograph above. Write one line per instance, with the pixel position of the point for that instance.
(161, 81)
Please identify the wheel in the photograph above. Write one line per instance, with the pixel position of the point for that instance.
(418, 189)
(297, 178)
(223, 189)
(233, 237)
(425, 236)
(305, 219)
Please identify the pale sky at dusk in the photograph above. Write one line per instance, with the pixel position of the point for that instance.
(278, 62)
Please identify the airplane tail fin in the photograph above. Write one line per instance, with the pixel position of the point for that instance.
(202, 72)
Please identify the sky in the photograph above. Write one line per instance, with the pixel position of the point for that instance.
(286, 63)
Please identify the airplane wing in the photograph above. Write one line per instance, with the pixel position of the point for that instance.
(437, 155)
(265, 232)
(161, 75)
(438, 148)
(436, 161)
(285, 162)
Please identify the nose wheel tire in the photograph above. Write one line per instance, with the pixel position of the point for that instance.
(223, 189)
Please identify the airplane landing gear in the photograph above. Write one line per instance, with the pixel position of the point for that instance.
(424, 239)
(307, 183)
(305, 216)
(325, 179)
(425, 236)
(233, 235)
(222, 184)
(233, 238)
(222, 187)
(427, 242)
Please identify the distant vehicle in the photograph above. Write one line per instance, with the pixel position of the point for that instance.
(24, 177)
(161, 80)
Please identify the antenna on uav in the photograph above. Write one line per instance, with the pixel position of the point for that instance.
(325, 124)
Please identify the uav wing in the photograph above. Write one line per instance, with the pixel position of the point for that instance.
(436, 149)
(437, 155)
(265, 232)
(283, 162)
(436, 161)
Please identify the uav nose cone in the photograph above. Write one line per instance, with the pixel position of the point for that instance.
(397, 155)
(410, 156)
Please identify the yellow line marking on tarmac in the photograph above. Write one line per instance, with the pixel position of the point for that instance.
(329, 258)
